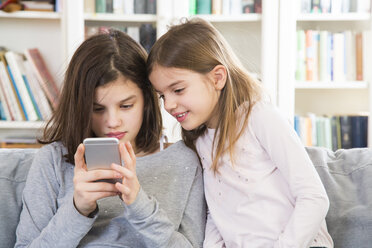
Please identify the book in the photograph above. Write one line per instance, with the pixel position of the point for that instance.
(48, 84)
(359, 56)
(301, 56)
(226, 7)
(350, 55)
(118, 6)
(140, 6)
(109, 6)
(203, 7)
(235, 7)
(100, 6)
(192, 7)
(336, 133)
(247, 6)
(310, 55)
(5, 113)
(14, 106)
(17, 75)
(216, 7)
(359, 130)
(89, 6)
(128, 7)
(151, 7)
(40, 97)
(147, 36)
(338, 57)
(346, 135)
(323, 53)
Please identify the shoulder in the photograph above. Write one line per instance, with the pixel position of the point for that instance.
(181, 152)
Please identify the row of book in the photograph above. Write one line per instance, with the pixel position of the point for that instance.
(31, 5)
(224, 7)
(327, 56)
(333, 132)
(19, 142)
(28, 92)
(335, 6)
(120, 6)
(145, 34)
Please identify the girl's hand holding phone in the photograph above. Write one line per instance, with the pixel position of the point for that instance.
(130, 186)
(86, 188)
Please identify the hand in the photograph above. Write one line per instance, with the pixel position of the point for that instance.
(86, 190)
(130, 186)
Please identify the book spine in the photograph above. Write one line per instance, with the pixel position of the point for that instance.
(100, 6)
(48, 84)
(5, 105)
(192, 7)
(203, 7)
(140, 6)
(359, 56)
(14, 62)
(18, 94)
(151, 7)
(323, 36)
(128, 7)
(346, 135)
(10, 93)
(217, 7)
(310, 54)
(301, 56)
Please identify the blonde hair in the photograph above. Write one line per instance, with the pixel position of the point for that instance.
(197, 46)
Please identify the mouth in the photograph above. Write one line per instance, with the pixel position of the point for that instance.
(118, 135)
(181, 116)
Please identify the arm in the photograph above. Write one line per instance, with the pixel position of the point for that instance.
(283, 146)
(42, 223)
(213, 238)
(153, 224)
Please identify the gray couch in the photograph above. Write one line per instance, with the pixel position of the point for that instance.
(346, 174)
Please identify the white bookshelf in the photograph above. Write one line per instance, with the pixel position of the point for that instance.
(30, 15)
(103, 17)
(318, 97)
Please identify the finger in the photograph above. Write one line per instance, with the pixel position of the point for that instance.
(123, 189)
(131, 153)
(126, 157)
(79, 158)
(94, 175)
(123, 171)
(99, 195)
(91, 187)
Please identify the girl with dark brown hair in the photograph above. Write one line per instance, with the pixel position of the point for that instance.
(159, 199)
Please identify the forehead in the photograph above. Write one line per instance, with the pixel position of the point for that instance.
(118, 89)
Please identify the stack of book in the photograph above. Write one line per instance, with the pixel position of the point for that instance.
(327, 56)
(28, 91)
(224, 7)
(144, 34)
(333, 132)
(335, 6)
(126, 7)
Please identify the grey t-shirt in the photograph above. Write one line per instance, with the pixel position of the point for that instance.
(169, 211)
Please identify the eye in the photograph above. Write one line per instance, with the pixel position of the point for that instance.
(126, 106)
(179, 90)
(98, 109)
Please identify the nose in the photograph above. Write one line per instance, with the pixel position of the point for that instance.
(113, 119)
(169, 104)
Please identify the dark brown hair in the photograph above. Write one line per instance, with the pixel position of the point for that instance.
(197, 46)
(100, 60)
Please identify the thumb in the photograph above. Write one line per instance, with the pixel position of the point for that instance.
(79, 157)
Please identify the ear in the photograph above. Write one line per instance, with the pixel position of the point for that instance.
(219, 76)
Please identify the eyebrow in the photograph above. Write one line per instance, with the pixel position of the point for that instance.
(124, 100)
(171, 85)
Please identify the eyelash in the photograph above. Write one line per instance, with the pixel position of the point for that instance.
(126, 106)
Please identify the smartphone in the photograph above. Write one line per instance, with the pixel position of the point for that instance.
(100, 153)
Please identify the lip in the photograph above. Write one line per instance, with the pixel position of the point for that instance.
(118, 135)
(181, 118)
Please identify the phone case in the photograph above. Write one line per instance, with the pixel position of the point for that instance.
(100, 153)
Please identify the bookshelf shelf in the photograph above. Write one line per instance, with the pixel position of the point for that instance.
(331, 85)
(31, 15)
(334, 17)
(103, 17)
(231, 18)
(35, 125)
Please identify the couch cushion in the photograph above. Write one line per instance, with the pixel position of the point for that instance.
(347, 178)
(14, 166)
